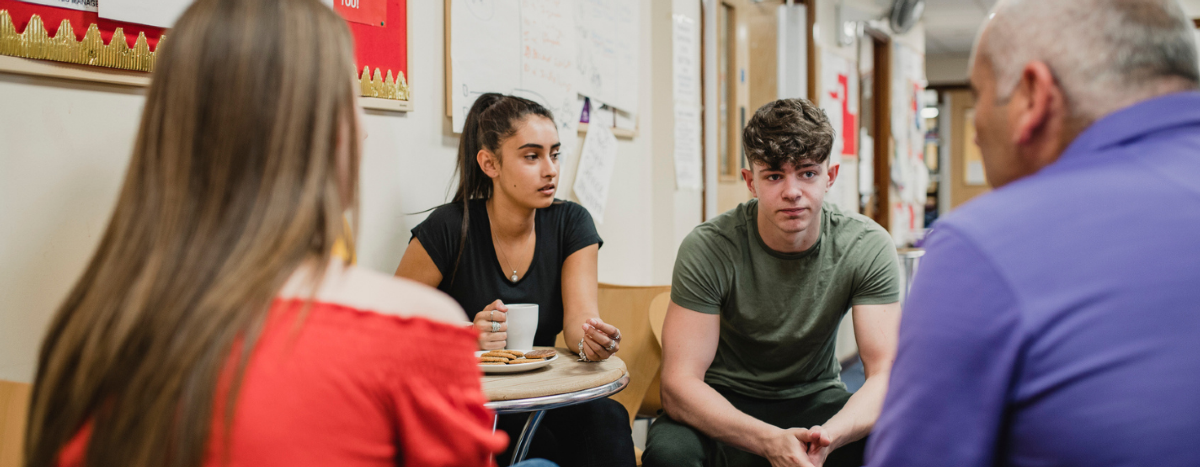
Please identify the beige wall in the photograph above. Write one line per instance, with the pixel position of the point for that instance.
(947, 69)
(64, 147)
(1191, 7)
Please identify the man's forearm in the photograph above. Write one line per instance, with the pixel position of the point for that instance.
(858, 416)
(698, 405)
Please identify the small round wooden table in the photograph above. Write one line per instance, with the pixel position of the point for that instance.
(563, 382)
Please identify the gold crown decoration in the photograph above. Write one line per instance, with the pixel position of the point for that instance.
(35, 42)
(384, 88)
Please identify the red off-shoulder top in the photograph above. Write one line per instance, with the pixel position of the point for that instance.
(349, 387)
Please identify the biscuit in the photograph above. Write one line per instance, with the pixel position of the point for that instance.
(525, 360)
(498, 354)
(494, 359)
(492, 363)
(545, 353)
(514, 353)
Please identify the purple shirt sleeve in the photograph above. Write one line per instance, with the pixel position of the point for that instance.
(960, 337)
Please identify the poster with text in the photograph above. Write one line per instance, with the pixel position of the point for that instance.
(372, 12)
(81, 5)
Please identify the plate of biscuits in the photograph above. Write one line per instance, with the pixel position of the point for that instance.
(514, 361)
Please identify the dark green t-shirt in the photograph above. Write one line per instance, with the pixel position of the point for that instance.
(780, 311)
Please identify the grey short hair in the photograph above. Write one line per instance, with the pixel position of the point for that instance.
(1105, 54)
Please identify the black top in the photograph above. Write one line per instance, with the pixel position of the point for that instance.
(561, 229)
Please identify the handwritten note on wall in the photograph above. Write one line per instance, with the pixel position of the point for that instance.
(485, 52)
(596, 170)
(686, 54)
(524, 48)
(688, 174)
(607, 60)
(685, 80)
(548, 64)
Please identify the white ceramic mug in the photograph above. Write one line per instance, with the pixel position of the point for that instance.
(522, 325)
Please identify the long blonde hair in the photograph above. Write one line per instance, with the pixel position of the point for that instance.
(233, 184)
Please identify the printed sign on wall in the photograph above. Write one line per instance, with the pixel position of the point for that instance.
(372, 12)
(82, 5)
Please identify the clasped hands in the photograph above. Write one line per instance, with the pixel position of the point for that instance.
(799, 447)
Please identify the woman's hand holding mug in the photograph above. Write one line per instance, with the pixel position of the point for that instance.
(492, 324)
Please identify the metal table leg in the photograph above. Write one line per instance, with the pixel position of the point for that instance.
(522, 447)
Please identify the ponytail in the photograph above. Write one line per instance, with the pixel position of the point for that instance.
(492, 119)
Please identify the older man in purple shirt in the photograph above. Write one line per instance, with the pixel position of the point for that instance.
(1056, 320)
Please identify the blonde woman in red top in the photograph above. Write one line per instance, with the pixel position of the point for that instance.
(211, 326)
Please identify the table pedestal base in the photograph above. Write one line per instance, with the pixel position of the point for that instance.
(521, 449)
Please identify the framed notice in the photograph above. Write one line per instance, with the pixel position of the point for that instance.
(77, 39)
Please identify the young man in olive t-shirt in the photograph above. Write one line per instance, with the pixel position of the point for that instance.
(749, 374)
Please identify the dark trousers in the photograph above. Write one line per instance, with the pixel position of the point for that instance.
(671, 443)
(594, 434)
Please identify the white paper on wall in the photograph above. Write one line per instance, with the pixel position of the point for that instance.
(548, 64)
(686, 58)
(685, 83)
(568, 160)
(158, 13)
(688, 173)
(920, 184)
(835, 98)
(839, 100)
(844, 192)
(910, 175)
(607, 39)
(596, 163)
(792, 51)
(82, 5)
(866, 167)
(521, 47)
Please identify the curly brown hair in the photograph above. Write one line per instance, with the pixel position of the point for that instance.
(788, 131)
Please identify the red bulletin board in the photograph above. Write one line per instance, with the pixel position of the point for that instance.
(384, 49)
(381, 49)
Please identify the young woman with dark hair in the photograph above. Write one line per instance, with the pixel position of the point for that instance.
(505, 239)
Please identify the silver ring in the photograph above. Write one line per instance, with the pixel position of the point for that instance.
(618, 335)
(611, 346)
(492, 315)
(495, 326)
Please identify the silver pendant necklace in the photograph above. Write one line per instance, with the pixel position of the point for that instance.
(492, 226)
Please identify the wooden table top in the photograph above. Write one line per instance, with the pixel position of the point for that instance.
(562, 376)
